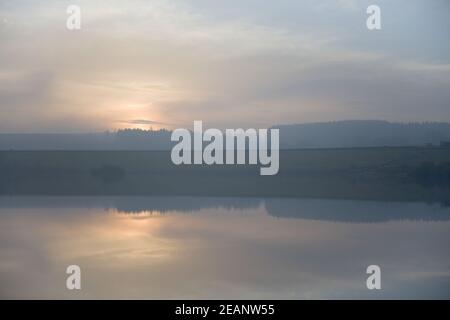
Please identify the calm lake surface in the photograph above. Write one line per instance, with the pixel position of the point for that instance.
(208, 248)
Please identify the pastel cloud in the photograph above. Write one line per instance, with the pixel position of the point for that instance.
(227, 64)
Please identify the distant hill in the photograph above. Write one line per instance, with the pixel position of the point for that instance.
(362, 133)
(129, 139)
(338, 134)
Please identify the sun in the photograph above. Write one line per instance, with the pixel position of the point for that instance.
(137, 116)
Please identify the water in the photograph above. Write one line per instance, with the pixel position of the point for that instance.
(208, 248)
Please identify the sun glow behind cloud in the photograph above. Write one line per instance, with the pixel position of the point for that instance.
(228, 64)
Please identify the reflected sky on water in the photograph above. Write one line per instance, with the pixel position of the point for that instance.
(187, 247)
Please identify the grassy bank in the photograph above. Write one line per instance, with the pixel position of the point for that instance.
(360, 173)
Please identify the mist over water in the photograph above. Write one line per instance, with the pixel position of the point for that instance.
(313, 146)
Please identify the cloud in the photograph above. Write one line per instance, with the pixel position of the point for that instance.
(143, 121)
(225, 63)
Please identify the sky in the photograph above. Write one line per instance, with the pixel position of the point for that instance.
(230, 63)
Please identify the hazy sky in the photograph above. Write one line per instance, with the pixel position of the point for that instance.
(230, 63)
